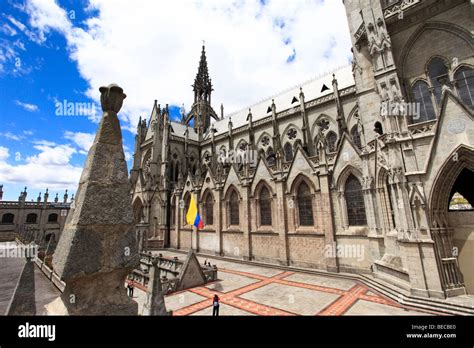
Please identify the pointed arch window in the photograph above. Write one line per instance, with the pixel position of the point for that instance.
(187, 201)
(222, 154)
(209, 210)
(331, 139)
(176, 171)
(391, 212)
(138, 211)
(234, 208)
(464, 81)
(356, 137)
(288, 150)
(270, 157)
(265, 202)
(355, 202)
(422, 96)
(437, 72)
(173, 212)
(305, 206)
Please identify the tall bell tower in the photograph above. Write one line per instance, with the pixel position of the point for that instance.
(201, 110)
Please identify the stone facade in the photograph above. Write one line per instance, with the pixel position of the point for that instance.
(351, 172)
(42, 218)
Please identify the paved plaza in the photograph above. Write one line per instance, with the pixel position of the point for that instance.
(248, 289)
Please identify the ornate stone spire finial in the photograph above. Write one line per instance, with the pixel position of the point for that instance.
(98, 246)
(182, 111)
(249, 116)
(111, 98)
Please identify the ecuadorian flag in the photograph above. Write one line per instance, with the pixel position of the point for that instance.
(192, 216)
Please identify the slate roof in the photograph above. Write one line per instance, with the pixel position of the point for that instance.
(311, 90)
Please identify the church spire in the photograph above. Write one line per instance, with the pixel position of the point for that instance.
(202, 83)
(201, 111)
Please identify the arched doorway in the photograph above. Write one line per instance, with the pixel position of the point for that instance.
(462, 221)
(453, 229)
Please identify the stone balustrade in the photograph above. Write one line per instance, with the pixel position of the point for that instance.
(170, 269)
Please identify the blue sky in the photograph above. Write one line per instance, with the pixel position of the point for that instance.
(39, 75)
(62, 51)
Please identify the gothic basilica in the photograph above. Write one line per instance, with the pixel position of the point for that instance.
(353, 172)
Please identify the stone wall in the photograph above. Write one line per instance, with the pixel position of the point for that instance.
(207, 241)
(265, 247)
(306, 251)
(354, 254)
(42, 211)
(185, 239)
(233, 244)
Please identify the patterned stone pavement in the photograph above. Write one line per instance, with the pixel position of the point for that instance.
(246, 289)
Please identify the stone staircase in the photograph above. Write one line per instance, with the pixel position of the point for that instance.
(155, 244)
(460, 305)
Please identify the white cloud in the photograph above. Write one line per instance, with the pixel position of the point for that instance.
(52, 155)
(154, 53)
(8, 30)
(44, 142)
(37, 38)
(128, 154)
(4, 153)
(50, 167)
(82, 140)
(27, 106)
(12, 136)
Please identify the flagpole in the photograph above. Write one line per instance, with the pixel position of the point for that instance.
(192, 226)
(195, 227)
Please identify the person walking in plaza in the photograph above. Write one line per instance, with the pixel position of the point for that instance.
(215, 306)
(130, 288)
